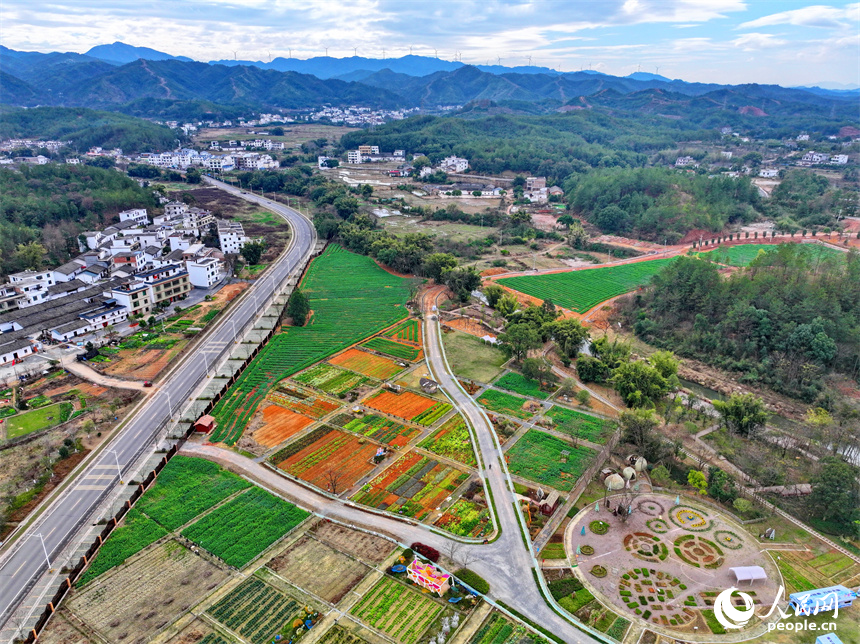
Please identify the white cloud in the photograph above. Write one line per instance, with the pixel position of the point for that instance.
(812, 16)
(754, 41)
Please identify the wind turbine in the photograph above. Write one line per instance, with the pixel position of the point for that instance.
(437, 53)
(326, 52)
(290, 49)
(530, 60)
(383, 53)
(234, 55)
(658, 71)
(410, 50)
(499, 59)
(355, 51)
(270, 57)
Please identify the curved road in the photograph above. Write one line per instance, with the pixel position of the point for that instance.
(25, 563)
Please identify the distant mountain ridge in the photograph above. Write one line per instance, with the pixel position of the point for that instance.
(119, 53)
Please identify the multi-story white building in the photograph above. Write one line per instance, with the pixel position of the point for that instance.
(454, 164)
(137, 215)
(220, 164)
(231, 236)
(353, 156)
(167, 284)
(135, 296)
(204, 272)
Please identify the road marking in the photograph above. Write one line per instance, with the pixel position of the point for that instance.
(102, 467)
(19, 568)
(100, 476)
(92, 487)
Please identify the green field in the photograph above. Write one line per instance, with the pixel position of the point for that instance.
(331, 379)
(453, 441)
(471, 358)
(391, 348)
(743, 254)
(351, 298)
(241, 529)
(187, 487)
(397, 610)
(378, 428)
(136, 532)
(503, 403)
(32, 421)
(409, 331)
(256, 611)
(548, 460)
(582, 290)
(513, 381)
(579, 425)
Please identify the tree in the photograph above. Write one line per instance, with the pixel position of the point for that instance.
(569, 334)
(742, 505)
(493, 293)
(583, 398)
(519, 339)
(742, 414)
(29, 256)
(639, 384)
(331, 163)
(698, 480)
(333, 477)
(665, 362)
(462, 281)
(566, 220)
(253, 251)
(507, 305)
(577, 236)
(539, 369)
(721, 486)
(437, 263)
(192, 175)
(836, 493)
(420, 162)
(590, 369)
(299, 307)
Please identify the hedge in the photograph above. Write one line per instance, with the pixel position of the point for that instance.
(473, 579)
(564, 587)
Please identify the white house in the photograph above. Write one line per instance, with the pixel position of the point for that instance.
(353, 156)
(231, 236)
(137, 215)
(454, 164)
(205, 272)
(768, 173)
(839, 159)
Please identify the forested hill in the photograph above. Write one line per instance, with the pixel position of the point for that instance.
(85, 128)
(50, 205)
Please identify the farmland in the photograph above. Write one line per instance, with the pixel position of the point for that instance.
(302, 400)
(471, 358)
(378, 428)
(360, 545)
(412, 486)
(579, 425)
(331, 379)
(503, 403)
(28, 422)
(498, 629)
(185, 488)
(257, 611)
(746, 253)
(351, 298)
(409, 406)
(241, 529)
(140, 598)
(319, 569)
(395, 349)
(465, 518)
(336, 459)
(517, 383)
(397, 610)
(136, 532)
(408, 331)
(548, 460)
(366, 363)
(279, 424)
(582, 290)
(453, 441)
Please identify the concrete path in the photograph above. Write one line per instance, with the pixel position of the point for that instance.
(88, 373)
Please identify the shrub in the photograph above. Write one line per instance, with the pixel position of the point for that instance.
(427, 552)
(564, 587)
(473, 580)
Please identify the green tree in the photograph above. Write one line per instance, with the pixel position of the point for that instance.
(698, 480)
(583, 398)
(577, 236)
(494, 293)
(299, 307)
(721, 486)
(742, 414)
(346, 206)
(519, 339)
(331, 163)
(507, 305)
(192, 175)
(639, 384)
(462, 281)
(29, 256)
(742, 505)
(253, 251)
(539, 369)
(566, 220)
(436, 264)
(569, 334)
(590, 369)
(836, 493)
(665, 362)
(639, 428)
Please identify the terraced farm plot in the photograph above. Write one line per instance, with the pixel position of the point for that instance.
(396, 349)
(303, 400)
(408, 331)
(397, 610)
(187, 487)
(453, 441)
(579, 425)
(519, 384)
(545, 459)
(366, 363)
(136, 532)
(743, 255)
(319, 569)
(335, 456)
(378, 428)
(360, 545)
(279, 424)
(408, 406)
(257, 611)
(351, 298)
(150, 592)
(582, 290)
(332, 380)
(241, 529)
(503, 403)
(413, 486)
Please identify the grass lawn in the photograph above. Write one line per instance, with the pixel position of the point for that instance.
(553, 551)
(470, 358)
(513, 381)
(36, 419)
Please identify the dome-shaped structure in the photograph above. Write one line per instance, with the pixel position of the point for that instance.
(641, 464)
(614, 482)
(628, 473)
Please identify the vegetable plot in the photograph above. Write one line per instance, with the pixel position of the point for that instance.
(409, 406)
(241, 529)
(582, 290)
(279, 424)
(331, 379)
(504, 403)
(256, 611)
(398, 611)
(453, 441)
(548, 460)
(336, 459)
(518, 383)
(366, 363)
(590, 428)
(396, 349)
(378, 428)
(409, 331)
(303, 401)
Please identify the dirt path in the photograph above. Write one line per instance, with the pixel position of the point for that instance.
(90, 374)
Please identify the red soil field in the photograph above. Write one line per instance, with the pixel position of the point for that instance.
(337, 454)
(403, 405)
(365, 363)
(279, 425)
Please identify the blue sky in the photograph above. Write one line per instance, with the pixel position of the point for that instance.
(728, 41)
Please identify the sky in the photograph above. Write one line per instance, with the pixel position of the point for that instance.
(785, 42)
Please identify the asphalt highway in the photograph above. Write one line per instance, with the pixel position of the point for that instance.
(26, 562)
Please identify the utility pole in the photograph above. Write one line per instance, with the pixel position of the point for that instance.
(118, 470)
(45, 550)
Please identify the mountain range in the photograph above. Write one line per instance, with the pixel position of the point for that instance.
(147, 82)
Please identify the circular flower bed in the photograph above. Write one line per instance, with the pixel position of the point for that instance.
(728, 539)
(699, 552)
(645, 546)
(586, 550)
(690, 519)
(650, 507)
(598, 571)
(658, 525)
(599, 527)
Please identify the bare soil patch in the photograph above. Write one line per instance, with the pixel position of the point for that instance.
(279, 424)
(61, 631)
(319, 569)
(361, 545)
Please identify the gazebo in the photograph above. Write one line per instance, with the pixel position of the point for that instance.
(749, 573)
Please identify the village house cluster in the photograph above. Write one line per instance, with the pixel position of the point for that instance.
(360, 116)
(188, 158)
(130, 269)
